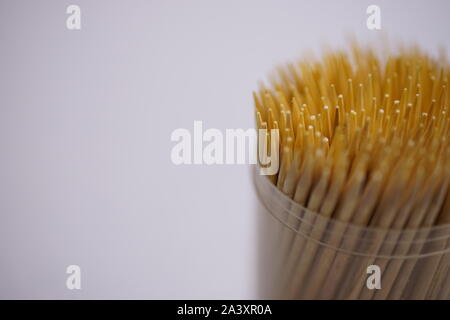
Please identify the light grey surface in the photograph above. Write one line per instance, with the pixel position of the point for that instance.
(85, 123)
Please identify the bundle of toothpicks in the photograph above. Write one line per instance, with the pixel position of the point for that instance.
(365, 144)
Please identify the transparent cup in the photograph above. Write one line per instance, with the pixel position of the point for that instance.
(304, 255)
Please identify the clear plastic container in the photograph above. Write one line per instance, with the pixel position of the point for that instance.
(306, 256)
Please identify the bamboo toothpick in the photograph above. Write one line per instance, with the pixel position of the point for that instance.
(364, 142)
